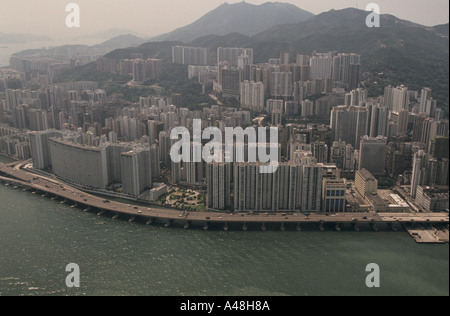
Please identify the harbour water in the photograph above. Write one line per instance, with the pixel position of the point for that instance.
(40, 237)
(6, 50)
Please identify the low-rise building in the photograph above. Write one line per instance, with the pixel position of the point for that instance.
(365, 183)
(433, 199)
(333, 195)
(158, 190)
(376, 203)
(398, 204)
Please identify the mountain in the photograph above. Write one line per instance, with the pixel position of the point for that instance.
(346, 31)
(244, 18)
(111, 33)
(442, 29)
(122, 41)
(21, 38)
(214, 41)
(398, 52)
(72, 51)
(161, 50)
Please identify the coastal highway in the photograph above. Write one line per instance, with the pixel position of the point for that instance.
(71, 195)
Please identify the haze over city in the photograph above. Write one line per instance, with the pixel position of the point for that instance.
(151, 18)
(224, 149)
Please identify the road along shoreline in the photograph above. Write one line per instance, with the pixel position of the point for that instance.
(54, 189)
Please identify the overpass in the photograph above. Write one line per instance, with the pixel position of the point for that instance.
(12, 176)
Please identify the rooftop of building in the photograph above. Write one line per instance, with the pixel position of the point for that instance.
(158, 186)
(392, 198)
(75, 145)
(366, 175)
(335, 181)
(436, 192)
(376, 200)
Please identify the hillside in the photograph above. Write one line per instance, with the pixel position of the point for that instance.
(161, 50)
(244, 18)
(442, 29)
(399, 52)
(345, 31)
(122, 41)
(214, 41)
(72, 51)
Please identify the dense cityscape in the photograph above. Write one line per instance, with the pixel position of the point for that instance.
(230, 150)
(330, 131)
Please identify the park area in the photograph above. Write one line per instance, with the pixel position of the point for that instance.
(188, 200)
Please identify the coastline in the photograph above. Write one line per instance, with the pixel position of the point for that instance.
(169, 217)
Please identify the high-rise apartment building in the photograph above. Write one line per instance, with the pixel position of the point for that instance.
(311, 187)
(219, 178)
(279, 191)
(358, 97)
(231, 55)
(282, 85)
(40, 150)
(419, 120)
(284, 58)
(320, 151)
(419, 172)
(402, 127)
(372, 155)
(349, 124)
(440, 147)
(397, 99)
(164, 148)
(427, 103)
(79, 164)
(307, 108)
(136, 172)
(230, 81)
(378, 121)
(274, 105)
(139, 71)
(333, 195)
(303, 60)
(321, 66)
(253, 96)
(190, 55)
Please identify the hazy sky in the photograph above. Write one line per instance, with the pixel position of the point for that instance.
(154, 17)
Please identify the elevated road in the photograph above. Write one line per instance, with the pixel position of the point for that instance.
(19, 177)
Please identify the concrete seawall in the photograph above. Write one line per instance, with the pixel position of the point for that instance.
(212, 220)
